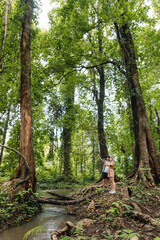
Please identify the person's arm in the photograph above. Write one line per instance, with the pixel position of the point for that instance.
(102, 160)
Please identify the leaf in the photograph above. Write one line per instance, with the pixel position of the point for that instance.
(33, 231)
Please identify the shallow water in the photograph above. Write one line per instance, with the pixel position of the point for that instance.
(52, 218)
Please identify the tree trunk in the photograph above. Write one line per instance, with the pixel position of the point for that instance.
(26, 139)
(93, 158)
(158, 128)
(100, 102)
(67, 128)
(146, 156)
(5, 132)
(4, 35)
(67, 150)
(100, 98)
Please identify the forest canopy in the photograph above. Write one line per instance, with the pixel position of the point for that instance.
(89, 84)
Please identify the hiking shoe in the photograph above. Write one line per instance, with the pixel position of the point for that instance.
(103, 190)
(107, 190)
(112, 192)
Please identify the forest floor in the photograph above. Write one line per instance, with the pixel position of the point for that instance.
(132, 212)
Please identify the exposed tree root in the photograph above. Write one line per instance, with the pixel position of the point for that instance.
(144, 217)
(131, 173)
(135, 205)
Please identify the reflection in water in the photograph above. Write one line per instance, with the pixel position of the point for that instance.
(51, 218)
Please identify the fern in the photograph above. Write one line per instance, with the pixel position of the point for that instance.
(33, 231)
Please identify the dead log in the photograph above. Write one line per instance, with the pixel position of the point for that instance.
(62, 197)
(68, 227)
(63, 202)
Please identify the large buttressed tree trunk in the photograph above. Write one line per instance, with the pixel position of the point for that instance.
(146, 162)
(26, 140)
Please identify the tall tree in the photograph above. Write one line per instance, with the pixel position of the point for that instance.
(100, 98)
(26, 139)
(68, 123)
(146, 163)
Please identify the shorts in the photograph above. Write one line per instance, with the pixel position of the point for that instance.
(105, 175)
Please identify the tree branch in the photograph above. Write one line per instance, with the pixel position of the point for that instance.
(79, 68)
(25, 160)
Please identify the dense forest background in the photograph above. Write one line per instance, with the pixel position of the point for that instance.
(82, 96)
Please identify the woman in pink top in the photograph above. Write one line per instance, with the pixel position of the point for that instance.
(111, 174)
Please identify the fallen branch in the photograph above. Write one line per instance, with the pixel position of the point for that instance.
(63, 202)
(62, 197)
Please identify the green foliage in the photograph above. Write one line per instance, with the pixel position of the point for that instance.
(128, 234)
(33, 231)
(66, 238)
(109, 235)
(18, 209)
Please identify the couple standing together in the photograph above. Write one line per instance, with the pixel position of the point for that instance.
(108, 173)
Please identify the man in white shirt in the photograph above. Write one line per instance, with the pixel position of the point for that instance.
(105, 178)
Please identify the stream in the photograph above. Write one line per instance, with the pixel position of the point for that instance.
(52, 218)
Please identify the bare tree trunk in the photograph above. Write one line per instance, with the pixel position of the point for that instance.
(26, 139)
(146, 163)
(5, 34)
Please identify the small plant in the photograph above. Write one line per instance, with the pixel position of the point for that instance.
(109, 235)
(33, 231)
(79, 230)
(128, 234)
(66, 238)
(114, 211)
